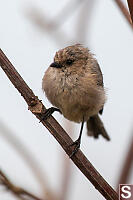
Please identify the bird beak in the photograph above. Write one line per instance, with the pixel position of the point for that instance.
(56, 65)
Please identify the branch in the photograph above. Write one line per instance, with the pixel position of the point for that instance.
(37, 108)
(130, 5)
(124, 11)
(17, 191)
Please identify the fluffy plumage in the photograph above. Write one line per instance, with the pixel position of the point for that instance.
(75, 84)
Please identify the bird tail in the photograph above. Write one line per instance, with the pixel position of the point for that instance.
(95, 127)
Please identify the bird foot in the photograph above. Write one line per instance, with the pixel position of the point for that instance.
(77, 146)
(48, 113)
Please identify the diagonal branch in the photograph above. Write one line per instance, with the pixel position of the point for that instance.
(125, 12)
(130, 5)
(37, 108)
(17, 191)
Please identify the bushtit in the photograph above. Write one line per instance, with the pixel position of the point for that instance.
(73, 83)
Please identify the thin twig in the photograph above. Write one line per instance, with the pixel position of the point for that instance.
(127, 165)
(124, 11)
(130, 5)
(37, 108)
(17, 191)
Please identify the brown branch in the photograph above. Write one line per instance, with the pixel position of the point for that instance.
(36, 107)
(130, 5)
(124, 11)
(17, 191)
(127, 165)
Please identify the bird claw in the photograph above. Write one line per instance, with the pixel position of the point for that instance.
(77, 146)
(48, 113)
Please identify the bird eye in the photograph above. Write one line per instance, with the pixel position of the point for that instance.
(69, 61)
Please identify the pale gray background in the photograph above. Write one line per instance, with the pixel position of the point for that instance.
(31, 51)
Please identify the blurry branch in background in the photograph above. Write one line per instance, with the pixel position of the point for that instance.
(130, 5)
(66, 178)
(37, 108)
(125, 12)
(124, 176)
(27, 157)
(44, 24)
(52, 26)
(67, 175)
(84, 21)
(17, 191)
(66, 12)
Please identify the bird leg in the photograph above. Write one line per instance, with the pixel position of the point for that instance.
(49, 112)
(78, 141)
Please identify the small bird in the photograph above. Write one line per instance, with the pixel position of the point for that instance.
(73, 83)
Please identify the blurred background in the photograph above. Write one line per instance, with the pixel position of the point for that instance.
(30, 34)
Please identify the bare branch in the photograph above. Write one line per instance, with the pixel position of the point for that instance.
(124, 11)
(37, 108)
(17, 191)
(130, 5)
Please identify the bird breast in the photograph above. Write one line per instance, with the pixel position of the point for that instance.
(74, 94)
